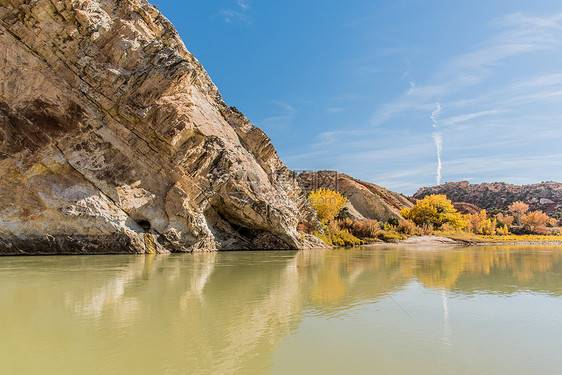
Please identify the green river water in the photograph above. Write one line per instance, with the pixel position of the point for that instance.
(477, 310)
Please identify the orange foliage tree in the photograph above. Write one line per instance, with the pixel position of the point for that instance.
(518, 209)
(506, 220)
(361, 228)
(533, 220)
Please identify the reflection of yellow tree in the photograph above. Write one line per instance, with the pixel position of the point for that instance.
(434, 268)
(334, 274)
(535, 263)
(341, 274)
(442, 269)
(329, 286)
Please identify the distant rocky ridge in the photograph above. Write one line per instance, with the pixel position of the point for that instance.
(365, 200)
(546, 196)
(113, 139)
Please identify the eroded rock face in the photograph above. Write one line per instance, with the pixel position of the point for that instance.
(364, 199)
(114, 139)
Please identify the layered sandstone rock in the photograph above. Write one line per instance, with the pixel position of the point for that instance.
(114, 139)
(364, 199)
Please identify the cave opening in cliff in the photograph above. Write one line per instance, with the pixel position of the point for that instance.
(144, 224)
(243, 231)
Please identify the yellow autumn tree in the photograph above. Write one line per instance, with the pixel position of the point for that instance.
(518, 209)
(533, 220)
(506, 220)
(503, 223)
(480, 224)
(327, 203)
(434, 210)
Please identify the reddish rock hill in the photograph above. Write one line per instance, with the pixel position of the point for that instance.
(466, 208)
(546, 196)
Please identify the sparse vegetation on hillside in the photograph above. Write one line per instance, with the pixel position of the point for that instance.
(480, 226)
(434, 214)
(496, 197)
(346, 231)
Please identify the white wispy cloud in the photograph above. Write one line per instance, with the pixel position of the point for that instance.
(285, 106)
(536, 82)
(518, 35)
(244, 4)
(412, 86)
(469, 116)
(396, 109)
(526, 23)
(500, 164)
(522, 91)
(239, 13)
(282, 119)
(497, 112)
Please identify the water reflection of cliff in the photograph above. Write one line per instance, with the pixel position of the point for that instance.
(226, 311)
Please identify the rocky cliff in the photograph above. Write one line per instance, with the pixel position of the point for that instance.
(113, 139)
(364, 199)
(546, 196)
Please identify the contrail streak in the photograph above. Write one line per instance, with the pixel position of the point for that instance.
(435, 114)
(439, 144)
(438, 141)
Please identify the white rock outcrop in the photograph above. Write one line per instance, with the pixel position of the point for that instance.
(113, 139)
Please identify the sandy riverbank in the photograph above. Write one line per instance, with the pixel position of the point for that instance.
(440, 241)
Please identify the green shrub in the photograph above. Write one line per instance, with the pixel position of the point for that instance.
(324, 237)
(342, 237)
(334, 235)
(393, 221)
(390, 236)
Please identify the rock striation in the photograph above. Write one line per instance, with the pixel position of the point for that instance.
(113, 139)
(365, 200)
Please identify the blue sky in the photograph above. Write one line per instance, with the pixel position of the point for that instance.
(480, 80)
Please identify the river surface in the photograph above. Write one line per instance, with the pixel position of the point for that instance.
(478, 310)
